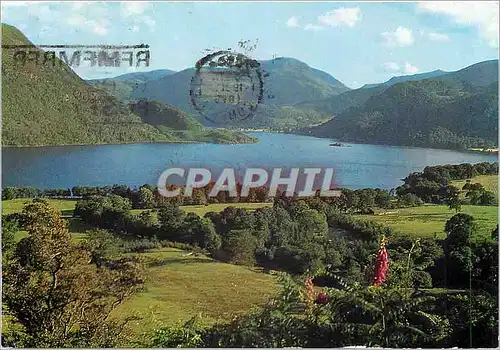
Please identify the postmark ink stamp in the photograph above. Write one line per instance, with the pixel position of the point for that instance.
(227, 87)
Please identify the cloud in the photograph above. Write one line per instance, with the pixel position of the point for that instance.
(400, 37)
(398, 69)
(136, 12)
(483, 15)
(348, 16)
(313, 27)
(292, 22)
(410, 69)
(99, 27)
(438, 37)
(133, 8)
(392, 66)
(344, 16)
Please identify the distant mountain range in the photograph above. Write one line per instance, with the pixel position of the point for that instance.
(45, 105)
(51, 105)
(403, 78)
(452, 110)
(289, 81)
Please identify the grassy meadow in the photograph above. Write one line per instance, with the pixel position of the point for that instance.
(489, 182)
(180, 286)
(429, 220)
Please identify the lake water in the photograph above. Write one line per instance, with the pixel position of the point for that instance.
(355, 167)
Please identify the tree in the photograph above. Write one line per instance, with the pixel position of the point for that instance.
(457, 247)
(452, 198)
(146, 198)
(311, 224)
(459, 229)
(240, 246)
(170, 218)
(494, 233)
(199, 231)
(488, 198)
(102, 245)
(56, 295)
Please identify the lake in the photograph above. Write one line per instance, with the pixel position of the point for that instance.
(355, 166)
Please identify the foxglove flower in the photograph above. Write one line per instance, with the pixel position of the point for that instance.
(381, 265)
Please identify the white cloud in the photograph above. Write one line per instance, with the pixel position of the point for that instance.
(348, 16)
(400, 37)
(133, 8)
(434, 36)
(313, 27)
(136, 12)
(410, 69)
(292, 22)
(344, 16)
(393, 66)
(99, 27)
(147, 20)
(480, 14)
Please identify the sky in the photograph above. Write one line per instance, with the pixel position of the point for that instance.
(356, 42)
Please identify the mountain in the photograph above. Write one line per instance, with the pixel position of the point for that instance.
(289, 81)
(403, 78)
(51, 105)
(45, 104)
(144, 76)
(179, 126)
(457, 110)
(123, 85)
(478, 74)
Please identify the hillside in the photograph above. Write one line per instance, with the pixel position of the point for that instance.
(123, 85)
(289, 82)
(404, 78)
(50, 105)
(157, 114)
(457, 110)
(480, 74)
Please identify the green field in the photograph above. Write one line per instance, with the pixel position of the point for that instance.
(181, 286)
(489, 182)
(429, 220)
(66, 206)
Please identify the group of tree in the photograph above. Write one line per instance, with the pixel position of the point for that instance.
(57, 293)
(399, 313)
(60, 307)
(433, 184)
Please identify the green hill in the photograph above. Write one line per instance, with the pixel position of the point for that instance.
(290, 81)
(478, 75)
(157, 114)
(457, 110)
(123, 85)
(51, 105)
(404, 78)
(45, 104)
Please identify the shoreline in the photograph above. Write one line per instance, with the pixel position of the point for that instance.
(128, 143)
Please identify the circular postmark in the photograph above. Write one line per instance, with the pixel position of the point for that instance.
(226, 87)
